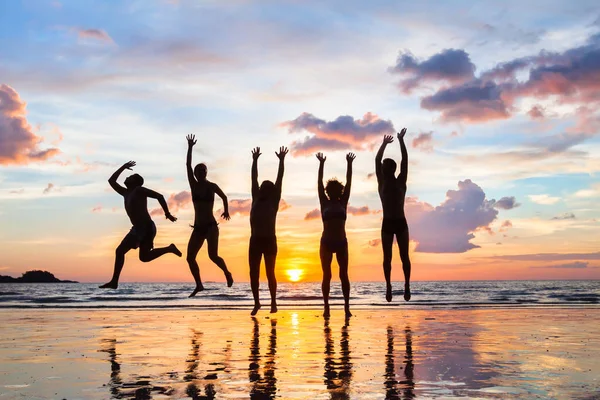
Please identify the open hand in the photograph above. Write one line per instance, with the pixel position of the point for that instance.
(256, 153)
(191, 140)
(128, 165)
(170, 217)
(401, 133)
(226, 216)
(282, 152)
(321, 157)
(387, 139)
(350, 157)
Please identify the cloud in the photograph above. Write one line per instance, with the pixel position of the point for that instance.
(507, 203)
(424, 142)
(564, 216)
(97, 209)
(176, 202)
(95, 34)
(450, 65)
(536, 112)
(548, 257)
(343, 133)
(543, 199)
(313, 214)
(243, 206)
(573, 265)
(505, 225)
(50, 188)
(571, 76)
(364, 210)
(374, 242)
(370, 175)
(18, 143)
(450, 227)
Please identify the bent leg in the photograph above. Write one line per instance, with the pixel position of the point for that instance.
(326, 257)
(128, 243)
(194, 245)
(342, 259)
(387, 240)
(254, 257)
(213, 253)
(403, 246)
(270, 267)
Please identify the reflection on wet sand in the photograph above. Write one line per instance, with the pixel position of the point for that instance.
(264, 387)
(407, 385)
(338, 376)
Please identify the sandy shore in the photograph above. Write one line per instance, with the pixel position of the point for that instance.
(101, 354)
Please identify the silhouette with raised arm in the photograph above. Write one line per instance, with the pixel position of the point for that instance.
(334, 202)
(392, 191)
(143, 231)
(263, 216)
(205, 225)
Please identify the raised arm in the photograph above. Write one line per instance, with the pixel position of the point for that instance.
(387, 139)
(254, 175)
(223, 197)
(161, 200)
(320, 187)
(349, 159)
(191, 139)
(281, 155)
(113, 178)
(403, 176)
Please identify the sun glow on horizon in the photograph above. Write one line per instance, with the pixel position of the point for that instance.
(294, 274)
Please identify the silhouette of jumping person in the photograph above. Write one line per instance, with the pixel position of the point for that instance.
(205, 225)
(143, 231)
(334, 203)
(392, 191)
(263, 215)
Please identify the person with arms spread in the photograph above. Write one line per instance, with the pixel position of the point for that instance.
(205, 225)
(392, 192)
(143, 231)
(263, 216)
(334, 203)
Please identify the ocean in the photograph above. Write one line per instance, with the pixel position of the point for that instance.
(431, 294)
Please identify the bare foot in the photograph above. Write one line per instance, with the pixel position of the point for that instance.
(229, 278)
(273, 308)
(388, 292)
(326, 312)
(407, 291)
(109, 285)
(255, 309)
(174, 250)
(199, 288)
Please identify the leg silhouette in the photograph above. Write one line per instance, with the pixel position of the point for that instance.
(270, 266)
(326, 257)
(342, 259)
(403, 245)
(194, 246)
(213, 253)
(387, 240)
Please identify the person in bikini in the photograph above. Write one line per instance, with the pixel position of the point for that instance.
(263, 216)
(334, 203)
(143, 231)
(205, 225)
(392, 192)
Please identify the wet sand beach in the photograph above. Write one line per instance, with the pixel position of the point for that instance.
(391, 353)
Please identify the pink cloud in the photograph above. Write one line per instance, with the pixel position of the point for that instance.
(18, 142)
(176, 202)
(95, 34)
(313, 214)
(536, 112)
(424, 142)
(343, 133)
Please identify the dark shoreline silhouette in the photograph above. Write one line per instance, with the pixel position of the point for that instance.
(34, 276)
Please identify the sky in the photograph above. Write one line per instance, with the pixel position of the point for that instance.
(500, 100)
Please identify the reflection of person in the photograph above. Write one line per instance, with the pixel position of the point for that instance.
(143, 231)
(408, 383)
(115, 381)
(338, 375)
(191, 376)
(392, 191)
(334, 203)
(205, 226)
(263, 216)
(263, 387)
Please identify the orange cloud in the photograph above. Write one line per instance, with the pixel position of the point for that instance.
(95, 34)
(18, 143)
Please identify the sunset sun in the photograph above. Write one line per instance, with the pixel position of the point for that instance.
(294, 275)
